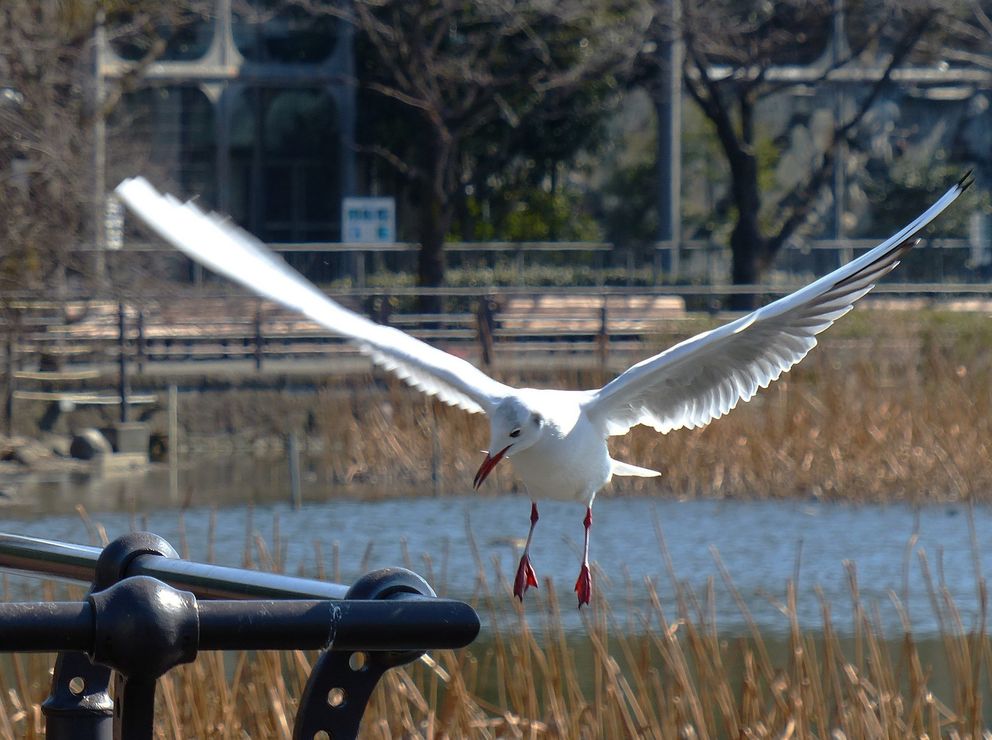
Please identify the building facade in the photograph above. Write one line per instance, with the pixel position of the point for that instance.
(253, 111)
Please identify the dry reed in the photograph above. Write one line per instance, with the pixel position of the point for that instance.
(894, 407)
(669, 673)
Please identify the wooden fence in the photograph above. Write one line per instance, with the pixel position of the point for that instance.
(57, 350)
(87, 334)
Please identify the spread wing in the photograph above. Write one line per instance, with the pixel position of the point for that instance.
(223, 247)
(704, 377)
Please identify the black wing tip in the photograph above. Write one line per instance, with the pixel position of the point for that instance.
(966, 180)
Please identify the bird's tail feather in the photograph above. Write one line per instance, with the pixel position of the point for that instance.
(622, 468)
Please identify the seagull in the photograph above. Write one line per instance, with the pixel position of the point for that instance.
(556, 439)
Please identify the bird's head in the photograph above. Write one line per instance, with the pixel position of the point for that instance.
(514, 426)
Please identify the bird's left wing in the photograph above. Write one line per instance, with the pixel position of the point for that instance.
(704, 377)
(232, 252)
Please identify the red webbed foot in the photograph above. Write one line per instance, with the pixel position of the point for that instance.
(583, 586)
(526, 577)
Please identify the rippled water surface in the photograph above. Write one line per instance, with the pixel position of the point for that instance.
(762, 544)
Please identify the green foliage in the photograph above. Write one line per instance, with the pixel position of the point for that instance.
(527, 214)
(621, 176)
(704, 179)
(506, 274)
(904, 191)
(471, 117)
(630, 204)
(549, 216)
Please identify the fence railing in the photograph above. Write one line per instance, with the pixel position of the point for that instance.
(65, 343)
(148, 611)
(703, 260)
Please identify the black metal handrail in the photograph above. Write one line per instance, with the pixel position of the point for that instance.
(149, 611)
(409, 625)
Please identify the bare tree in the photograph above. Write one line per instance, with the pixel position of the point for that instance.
(452, 72)
(48, 110)
(731, 49)
(44, 119)
(965, 42)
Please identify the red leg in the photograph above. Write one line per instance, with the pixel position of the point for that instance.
(583, 586)
(526, 577)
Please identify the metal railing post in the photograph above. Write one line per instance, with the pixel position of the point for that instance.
(79, 706)
(140, 341)
(259, 339)
(486, 324)
(603, 338)
(122, 360)
(10, 382)
(141, 627)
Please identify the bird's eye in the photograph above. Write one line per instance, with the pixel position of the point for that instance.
(515, 433)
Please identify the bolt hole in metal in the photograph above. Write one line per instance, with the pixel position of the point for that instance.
(336, 697)
(77, 685)
(358, 661)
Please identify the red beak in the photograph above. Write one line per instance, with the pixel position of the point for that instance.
(487, 466)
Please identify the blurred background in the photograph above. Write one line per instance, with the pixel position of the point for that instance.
(553, 190)
(721, 141)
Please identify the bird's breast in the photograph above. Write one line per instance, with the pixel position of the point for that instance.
(571, 467)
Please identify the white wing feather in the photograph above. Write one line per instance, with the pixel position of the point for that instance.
(223, 247)
(704, 377)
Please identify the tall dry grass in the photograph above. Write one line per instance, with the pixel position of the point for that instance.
(892, 405)
(666, 672)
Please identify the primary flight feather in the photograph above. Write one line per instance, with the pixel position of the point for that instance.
(556, 438)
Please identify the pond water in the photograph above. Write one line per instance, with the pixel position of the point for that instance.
(448, 539)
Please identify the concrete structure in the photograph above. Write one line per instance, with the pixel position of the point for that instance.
(257, 115)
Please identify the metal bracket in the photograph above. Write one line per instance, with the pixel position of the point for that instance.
(341, 682)
(79, 704)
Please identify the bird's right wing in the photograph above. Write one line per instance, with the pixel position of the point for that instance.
(220, 245)
(704, 377)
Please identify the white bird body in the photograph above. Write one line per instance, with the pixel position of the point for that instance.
(555, 438)
(570, 460)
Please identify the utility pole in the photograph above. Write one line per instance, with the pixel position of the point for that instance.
(99, 154)
(9, 368)
(669, 156)
(838, 51)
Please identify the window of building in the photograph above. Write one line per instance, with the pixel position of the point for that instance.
(168, 131)
(187, 35)
(285, 164)
(266, 32)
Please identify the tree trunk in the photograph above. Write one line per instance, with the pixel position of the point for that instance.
(747, 244)
(747, 260)
(430, 260)
(435, 217)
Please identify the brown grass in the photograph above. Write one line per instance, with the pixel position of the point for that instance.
(894, 407)
(670, 674)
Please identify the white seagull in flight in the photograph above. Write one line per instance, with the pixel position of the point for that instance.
(555, 438)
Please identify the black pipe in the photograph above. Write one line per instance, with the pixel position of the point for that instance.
(402, 622)
(43, 627)
(397, 624)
